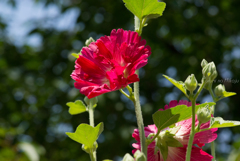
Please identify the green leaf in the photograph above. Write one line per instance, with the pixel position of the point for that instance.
(171, 141)
(127, 157)
(164, 150)
(75, 55)
(76, 107)
(179, 84)
(218, 122)
(163, 119)
(107, 160)
(166, 118)
(143, 8)
(228, 94)
(86, 134)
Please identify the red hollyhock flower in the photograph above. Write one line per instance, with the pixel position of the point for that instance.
(110, 63)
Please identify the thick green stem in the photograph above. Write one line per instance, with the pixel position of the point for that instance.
(138, 111)
(140, 124)
(213, 151)
(212, 143)
(91, 121)
(190, 142)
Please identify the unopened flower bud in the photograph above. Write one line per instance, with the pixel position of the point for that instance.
(209, 71)
(203, 115)
(191, 83)
(94, 100)
(204, 63)
(89, 150)
(219, 90)
(89, 41)
(139, 156)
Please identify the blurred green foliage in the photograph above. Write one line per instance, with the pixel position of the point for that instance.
(35, 82)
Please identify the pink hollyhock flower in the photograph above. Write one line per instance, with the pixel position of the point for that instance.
(110, 63)
(182, 135)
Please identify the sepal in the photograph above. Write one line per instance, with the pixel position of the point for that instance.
(93, 100)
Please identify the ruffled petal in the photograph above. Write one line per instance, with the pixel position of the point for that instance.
(110, 63)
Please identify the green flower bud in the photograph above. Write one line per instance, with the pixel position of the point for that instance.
(94, 100)
(88, 150)
(209, 72)
(204, 63)
(89, 41)
(219, 90)
(191, 83)
(139, 156)
(203, 115)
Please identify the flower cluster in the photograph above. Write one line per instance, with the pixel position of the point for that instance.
(182, 135)
(110, 63)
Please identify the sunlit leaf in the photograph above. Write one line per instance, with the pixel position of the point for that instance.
(76, 107)
(166, 118)
(86, 134)
(143, 8)
(228, 94)
(218, 122)
(75, 55)
(179, 84)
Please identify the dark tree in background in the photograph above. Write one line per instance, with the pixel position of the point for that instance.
(35, 82)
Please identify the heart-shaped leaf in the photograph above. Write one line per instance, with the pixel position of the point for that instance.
(145, 8)
(76, 107)
(86, 134)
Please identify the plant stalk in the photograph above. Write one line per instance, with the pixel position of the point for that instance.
(91, 113)
(138, 27)
(92, 156)
(140, 124)
(190, 141)
(91, 121)
(212, 143)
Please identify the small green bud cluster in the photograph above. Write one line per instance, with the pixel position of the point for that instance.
(191, 83)
(219, 90)
(203, 115)
(209, 70)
